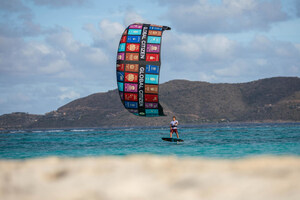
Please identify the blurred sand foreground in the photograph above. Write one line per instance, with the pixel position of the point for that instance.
(148, 177)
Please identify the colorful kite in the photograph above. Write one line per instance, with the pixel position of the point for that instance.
(138, 66)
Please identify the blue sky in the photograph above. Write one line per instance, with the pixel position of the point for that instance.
(55, 51)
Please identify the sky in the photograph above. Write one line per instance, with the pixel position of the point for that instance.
(55, 51)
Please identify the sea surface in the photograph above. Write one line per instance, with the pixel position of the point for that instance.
(212, 141)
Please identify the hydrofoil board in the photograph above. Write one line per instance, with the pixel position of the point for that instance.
(172, 139)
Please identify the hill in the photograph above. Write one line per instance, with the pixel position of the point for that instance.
(193, 102)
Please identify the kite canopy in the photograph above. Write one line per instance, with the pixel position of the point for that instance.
(138, 66)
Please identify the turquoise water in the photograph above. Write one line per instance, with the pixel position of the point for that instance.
(213, 141)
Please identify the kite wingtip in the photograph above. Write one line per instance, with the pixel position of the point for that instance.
(168, 28)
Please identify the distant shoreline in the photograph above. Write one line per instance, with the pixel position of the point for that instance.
(154, 127)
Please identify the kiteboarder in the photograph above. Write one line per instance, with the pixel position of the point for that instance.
(173, 127)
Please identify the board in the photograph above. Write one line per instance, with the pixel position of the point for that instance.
(172, 139)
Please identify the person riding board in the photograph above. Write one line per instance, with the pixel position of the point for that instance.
(173, 127)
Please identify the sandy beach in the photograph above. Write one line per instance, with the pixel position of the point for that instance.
(147, 177)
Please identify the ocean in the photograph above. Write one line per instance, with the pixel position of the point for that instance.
(228, 141)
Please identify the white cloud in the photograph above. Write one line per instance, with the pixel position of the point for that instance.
(297, 6)
(133, 17)
(55, 67)
(68, 94)
(107, 35)
(237, 68)
(64, 40)
(216, 58)
(30, 58)
(266, 47)
(226, 17)
(13, 6)
(60, 3)
(96, 57)
(59, 60)
(195, 47)
(167, 2)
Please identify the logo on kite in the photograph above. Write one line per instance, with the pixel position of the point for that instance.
(138, 66)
